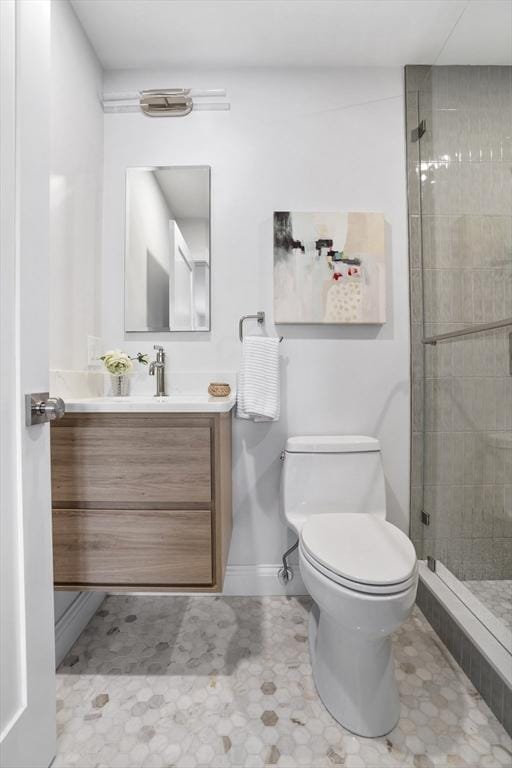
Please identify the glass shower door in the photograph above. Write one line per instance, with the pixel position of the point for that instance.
(465, 210)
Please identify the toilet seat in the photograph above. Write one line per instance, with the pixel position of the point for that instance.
(361, 552)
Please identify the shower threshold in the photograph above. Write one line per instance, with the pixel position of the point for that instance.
(476, 606)
(464, 625)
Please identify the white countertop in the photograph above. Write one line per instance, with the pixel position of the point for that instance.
(174, 403)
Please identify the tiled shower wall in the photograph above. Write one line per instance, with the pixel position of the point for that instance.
(460, 222)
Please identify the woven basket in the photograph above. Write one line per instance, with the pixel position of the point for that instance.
(218, 390)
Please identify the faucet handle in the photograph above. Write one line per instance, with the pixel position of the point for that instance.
(158, 347)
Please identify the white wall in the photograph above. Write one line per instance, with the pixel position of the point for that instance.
(76, 164)
(75, 191)
(320, 140)
(62, 601)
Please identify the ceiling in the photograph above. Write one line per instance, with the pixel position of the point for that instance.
(187, 191)
(148, 34)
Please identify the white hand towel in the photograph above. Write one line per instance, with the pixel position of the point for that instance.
(259, 380)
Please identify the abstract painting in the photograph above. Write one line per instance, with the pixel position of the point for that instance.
(329, 268)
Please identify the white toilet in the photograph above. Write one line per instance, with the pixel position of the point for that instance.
(360, 570)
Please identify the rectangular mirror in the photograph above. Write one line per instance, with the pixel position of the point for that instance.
(167, 257)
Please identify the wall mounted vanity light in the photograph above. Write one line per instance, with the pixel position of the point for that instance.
(166, 102)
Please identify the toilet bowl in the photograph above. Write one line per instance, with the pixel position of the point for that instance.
(360, 570)
(350, 633)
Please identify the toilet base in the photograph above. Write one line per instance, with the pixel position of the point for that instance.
(354, 675)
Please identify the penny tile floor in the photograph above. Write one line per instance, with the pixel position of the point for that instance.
(188, 682)
(496, 595)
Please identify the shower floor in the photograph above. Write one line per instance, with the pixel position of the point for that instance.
(496, 595)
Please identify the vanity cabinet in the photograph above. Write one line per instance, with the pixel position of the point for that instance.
(141, 501)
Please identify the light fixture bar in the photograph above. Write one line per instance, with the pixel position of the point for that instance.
(206, 106)
(164, 102)
(134, 108)
(135, 95)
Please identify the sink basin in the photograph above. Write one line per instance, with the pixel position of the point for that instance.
(173, 403)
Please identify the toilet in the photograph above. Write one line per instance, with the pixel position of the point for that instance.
(360, 570)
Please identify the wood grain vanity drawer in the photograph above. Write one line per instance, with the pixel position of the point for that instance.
(129, 463)
(141, 501)
(132, 547)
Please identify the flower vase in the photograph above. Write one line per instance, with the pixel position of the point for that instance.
(120, 385)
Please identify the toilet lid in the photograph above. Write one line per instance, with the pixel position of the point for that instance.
(361, 548)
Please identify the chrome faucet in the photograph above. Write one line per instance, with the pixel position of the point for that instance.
(158, 365)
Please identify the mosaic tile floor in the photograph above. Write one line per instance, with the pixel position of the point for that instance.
(496, 595)
(211, 681)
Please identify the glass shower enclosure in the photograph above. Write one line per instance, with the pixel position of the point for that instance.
(459, 139)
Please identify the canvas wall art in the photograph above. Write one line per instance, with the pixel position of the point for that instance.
(329, 268)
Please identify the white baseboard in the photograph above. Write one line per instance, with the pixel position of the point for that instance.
(261, 580)
(74, 620)
(249, 581)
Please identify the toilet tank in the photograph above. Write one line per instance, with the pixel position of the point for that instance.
(332, 473)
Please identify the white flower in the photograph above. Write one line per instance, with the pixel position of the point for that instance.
(116, 362)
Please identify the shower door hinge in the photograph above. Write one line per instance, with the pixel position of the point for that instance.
(431, 562)
(425, 517)
(418, 132)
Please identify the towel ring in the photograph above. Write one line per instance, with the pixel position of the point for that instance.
(260, 319)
